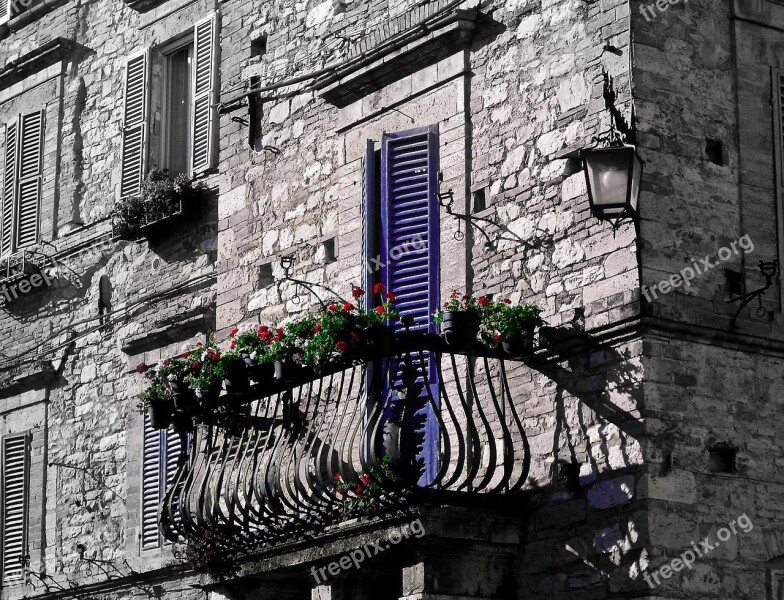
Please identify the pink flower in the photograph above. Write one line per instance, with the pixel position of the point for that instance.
(341, 346)
(390, 296)
(378, 288)
(357, 292)
(141, 368)
(233, 332)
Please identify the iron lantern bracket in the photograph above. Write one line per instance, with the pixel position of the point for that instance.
(768, 269)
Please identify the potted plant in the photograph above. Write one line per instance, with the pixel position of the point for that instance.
(175, 372)
(160, 198)
(513, 326)
(335, 336)
(252, 343)
(461, 319)
(156, 400)
(380, 331)
(287, 349)
(366, 494)
(206, 374)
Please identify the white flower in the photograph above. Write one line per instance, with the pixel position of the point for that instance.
(199, 394)
(171, 377)
(253, 355)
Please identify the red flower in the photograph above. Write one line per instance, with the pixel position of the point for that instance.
(390, 296)
(348, 307)
(357, 292)
(497, 337)
(507, 300)
(261, 330)
(355, 336)
(365, 479)
(341, 346)
(332, 307)
(265, 335)
(454, 294)
(166, 362)
(195, 365)
(358, 489)
(150, 375)
(185, 355)
(233, 332)
(208, 533)
(279, 333)
(316, 328)
(483, 300)
(378, 288)
(380, 310)
(141, 368)
(337, 477)
(466, 297)
(199, 344)
(233, 343)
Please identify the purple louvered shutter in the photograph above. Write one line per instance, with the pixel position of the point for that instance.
(410, 258)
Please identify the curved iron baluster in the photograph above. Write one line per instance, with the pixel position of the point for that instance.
(269, 475)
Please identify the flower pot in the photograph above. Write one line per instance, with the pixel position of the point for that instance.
(235, 379)
(381, 339)
(460, 329)
(258, 372)
(522, 343)
(289, 371)
(211, 395)
(183, 395)
(160, 412)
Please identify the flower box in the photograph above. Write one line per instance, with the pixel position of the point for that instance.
(161, 203)
(19, 266)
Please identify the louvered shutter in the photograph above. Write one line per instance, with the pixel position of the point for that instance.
(410, 254)
(16, 464)
(369, 216)
(9, 188)
(134, 132)
(5, 11)
(29, 175)
(778, 145)
(204, 74)
(151, 484)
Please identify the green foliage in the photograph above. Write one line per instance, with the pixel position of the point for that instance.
(366, 494)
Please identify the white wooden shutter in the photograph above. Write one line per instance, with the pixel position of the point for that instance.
(29, 177)
(151, 485)
(134, 132)
(5, 10)
(778, 145)
(9, 188)
(16, 461)
(204, 75)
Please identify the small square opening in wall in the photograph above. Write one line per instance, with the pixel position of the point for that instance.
(714, 151)
(258, 46)
(479, 201)
(569, 475)
(734, 281)
(265, 275)
(330, 250)
(722, 459)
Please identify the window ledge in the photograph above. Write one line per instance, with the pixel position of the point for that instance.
(389, 62)
(36, 61)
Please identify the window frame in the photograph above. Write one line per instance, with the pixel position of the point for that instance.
(165, 52)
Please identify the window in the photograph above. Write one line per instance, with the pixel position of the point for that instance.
(401, 215)
(177, 109)
(188, 123)
(159, 465)
(21, 192)
(15, 496)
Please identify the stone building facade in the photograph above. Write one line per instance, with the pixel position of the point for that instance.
(651, 417)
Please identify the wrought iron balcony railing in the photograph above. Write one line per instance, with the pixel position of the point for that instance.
(426, 424)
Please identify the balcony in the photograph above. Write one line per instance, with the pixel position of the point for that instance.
(371, 438)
